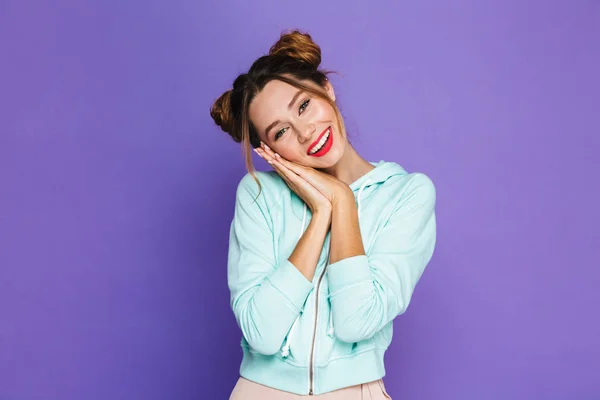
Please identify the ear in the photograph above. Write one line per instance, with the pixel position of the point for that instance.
(329, 89)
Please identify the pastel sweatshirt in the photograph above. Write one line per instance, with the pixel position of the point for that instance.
(314, 337)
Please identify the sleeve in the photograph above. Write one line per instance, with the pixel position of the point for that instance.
(369, 291)
(266, 296)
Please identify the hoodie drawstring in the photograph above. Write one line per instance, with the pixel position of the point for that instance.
(360, 194)
(330, 330)
(285, 351)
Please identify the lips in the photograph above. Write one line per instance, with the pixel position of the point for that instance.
(325, 146)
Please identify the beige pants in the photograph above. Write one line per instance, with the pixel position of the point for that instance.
(248, 390)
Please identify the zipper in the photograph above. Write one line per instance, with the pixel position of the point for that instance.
(311, 372)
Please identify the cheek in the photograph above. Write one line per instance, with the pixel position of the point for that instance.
(286, 150)
(324, 112)
(290, 154)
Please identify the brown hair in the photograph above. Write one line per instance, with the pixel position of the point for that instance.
(292, 59)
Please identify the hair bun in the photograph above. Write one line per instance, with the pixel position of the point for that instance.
(298, 45)
(221, 113)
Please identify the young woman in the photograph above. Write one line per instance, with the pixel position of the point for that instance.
(326, 250)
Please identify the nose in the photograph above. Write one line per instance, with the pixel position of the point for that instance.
(306, 132)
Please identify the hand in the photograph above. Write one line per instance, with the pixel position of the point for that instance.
(314, 199)
(332, 188)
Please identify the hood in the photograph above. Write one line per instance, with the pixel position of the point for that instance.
(382, 172)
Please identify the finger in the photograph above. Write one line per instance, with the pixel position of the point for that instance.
(292, 166)
(257, 151)
(312, 176)
(293, 185)
(268, 151)
(294, 181)
(264, 145)
(264, 155)
(290, 169)
(271, 157)
(291, 175)
(276, 167)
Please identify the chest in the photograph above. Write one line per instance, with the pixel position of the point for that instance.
(290, 223)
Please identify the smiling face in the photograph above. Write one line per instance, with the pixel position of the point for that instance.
(300, 127)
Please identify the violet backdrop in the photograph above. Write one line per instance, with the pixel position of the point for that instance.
(116, 189)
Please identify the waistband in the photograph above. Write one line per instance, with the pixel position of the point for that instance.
(277, 373)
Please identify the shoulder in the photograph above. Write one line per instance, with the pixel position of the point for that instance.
(270, 187)
(414, 188)
(421, 184)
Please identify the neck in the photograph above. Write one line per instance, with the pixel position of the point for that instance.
(350, 167)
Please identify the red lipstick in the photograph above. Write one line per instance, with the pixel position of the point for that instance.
(326, 146)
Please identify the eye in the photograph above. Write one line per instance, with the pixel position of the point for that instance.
(304, 105)
(300, 110)
(278, 134)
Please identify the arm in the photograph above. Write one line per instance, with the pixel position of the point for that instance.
(346, 240)
(367, 292)
(306, 254)
(266, 298)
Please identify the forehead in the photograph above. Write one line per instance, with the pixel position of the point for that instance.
(271, 103)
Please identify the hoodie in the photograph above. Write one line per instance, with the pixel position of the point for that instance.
(313, 337)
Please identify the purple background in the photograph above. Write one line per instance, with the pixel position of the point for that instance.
(116, 190)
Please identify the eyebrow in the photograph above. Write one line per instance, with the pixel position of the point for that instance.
(298, 93)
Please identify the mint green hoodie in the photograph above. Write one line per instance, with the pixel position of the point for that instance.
(315, 337)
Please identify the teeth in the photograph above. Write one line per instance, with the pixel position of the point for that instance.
(321, 142)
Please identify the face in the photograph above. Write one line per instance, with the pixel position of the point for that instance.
(300, 127)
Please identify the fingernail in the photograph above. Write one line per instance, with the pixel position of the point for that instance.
(267, 147)
(277, 155)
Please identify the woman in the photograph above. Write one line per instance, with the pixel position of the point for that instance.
(326, 250)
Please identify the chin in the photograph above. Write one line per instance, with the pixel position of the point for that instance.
(327, 161)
